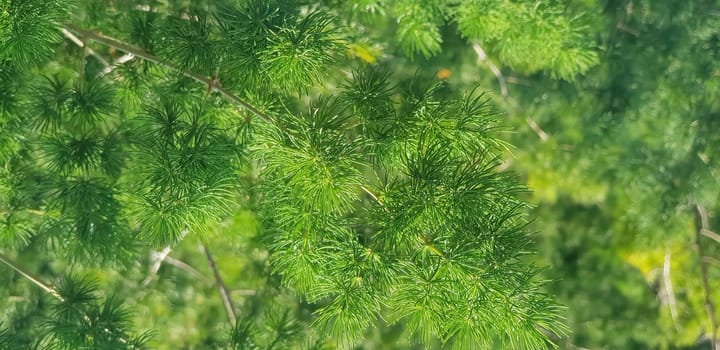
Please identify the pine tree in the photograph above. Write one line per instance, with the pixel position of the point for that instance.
(360, 198)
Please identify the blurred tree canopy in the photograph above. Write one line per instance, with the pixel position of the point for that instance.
(354, 174)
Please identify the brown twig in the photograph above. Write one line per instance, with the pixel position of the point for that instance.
(701, 224)
(222, 288)
(212, 84)
(30, 277)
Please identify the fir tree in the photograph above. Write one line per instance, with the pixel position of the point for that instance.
(372, 198)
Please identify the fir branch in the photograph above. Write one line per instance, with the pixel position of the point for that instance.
(701, 224)
(213, 83)
(59, 296)
(222, 288)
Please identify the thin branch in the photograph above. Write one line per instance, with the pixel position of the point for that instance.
(537, 129)
(80, 43)
(701, 224)
(710, 234)
(669, 293)
(30, 277)
(366, 190)
(121, 60)
(627, 29)
(711, 260)
(483, 58)
(159, 257)
(213, 84)
(222, 288)
(187, 268)
(244, 291)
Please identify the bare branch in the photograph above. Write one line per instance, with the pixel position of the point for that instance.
(121, 60)
(701, 225)
(669, 293)
(222, 288)
(711, 260)
(627, 29)
(185, 267)
(371, 194)
(483, 58)
(244, 292)
(30, 277)
(159, 257)
(710, 234)
(537, 129)
(80, 43)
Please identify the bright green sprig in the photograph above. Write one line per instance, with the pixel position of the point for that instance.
(79, 319)
(185, 170)
(529, 36)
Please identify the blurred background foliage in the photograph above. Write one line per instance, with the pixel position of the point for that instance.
(615, 128)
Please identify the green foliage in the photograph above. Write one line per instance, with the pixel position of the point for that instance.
(419, 26)
(80, 320)
(527, 36)
(184, 170)
(530, 36)
(27, 30)
(343, 171)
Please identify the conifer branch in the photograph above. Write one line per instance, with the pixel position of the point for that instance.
(222, 288)
(47, 288)
(213, 84)
(30, 277)
(701, 224)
